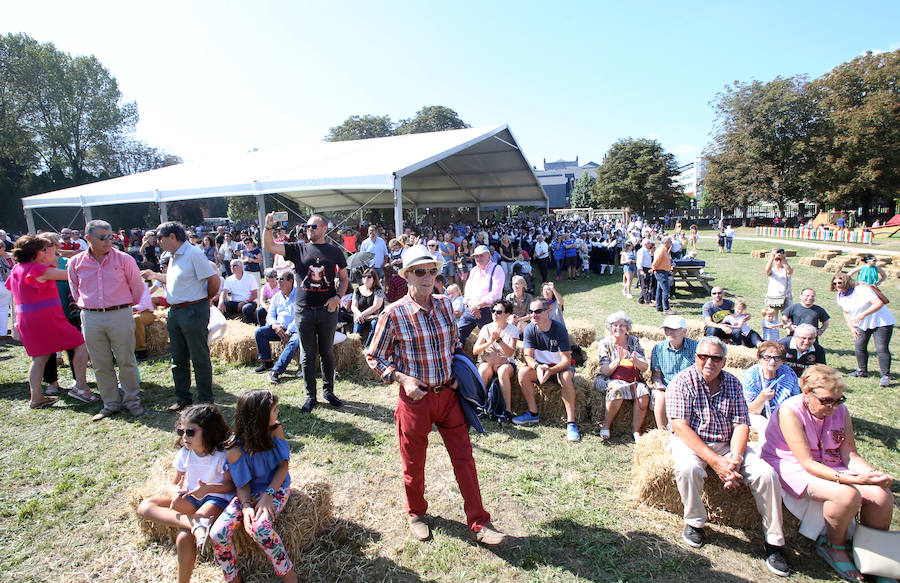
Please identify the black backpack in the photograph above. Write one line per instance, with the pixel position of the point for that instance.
(495, 404)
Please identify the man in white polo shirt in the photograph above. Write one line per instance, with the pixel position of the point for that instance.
(242, 289)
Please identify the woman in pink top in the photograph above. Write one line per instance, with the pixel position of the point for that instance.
(41, 323)
(814, 453)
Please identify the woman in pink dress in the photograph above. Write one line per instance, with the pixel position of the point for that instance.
(41, 324)
(812, 449)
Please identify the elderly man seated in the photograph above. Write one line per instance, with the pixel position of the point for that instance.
(547, 353)
(279, 326)
(802, 350)
(242, 289)
(710, 421)
(669, 357)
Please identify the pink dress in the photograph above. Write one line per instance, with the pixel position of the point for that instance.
(825, 437)
(39, 315)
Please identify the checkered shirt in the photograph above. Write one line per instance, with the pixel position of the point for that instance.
(669, 361)
(711, 417)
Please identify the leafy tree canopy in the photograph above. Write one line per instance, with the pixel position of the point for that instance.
(433, 118)
(581, 194)
(361, 127)
(636, 173)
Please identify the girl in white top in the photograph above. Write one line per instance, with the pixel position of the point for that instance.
(201, 488)
(867, 316)
(496, 347)
(779, 273)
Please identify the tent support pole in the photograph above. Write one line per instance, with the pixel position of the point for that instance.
(261, 215)
(29, 220)
(88, 214)
(360, 215)
(398, 207)
(478, 213)
(163, 213)
(548, 207)
(416, 215)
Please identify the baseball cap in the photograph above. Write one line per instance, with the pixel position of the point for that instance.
(674, 322)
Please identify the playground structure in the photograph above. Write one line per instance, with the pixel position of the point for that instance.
(889, 229)
(828, 219)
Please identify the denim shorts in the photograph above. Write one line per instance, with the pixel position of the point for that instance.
(217, 501)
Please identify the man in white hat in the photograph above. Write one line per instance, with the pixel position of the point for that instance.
(413, 346)
(483, 288)
(669, 357)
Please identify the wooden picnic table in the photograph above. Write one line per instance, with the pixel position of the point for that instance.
(692, 276)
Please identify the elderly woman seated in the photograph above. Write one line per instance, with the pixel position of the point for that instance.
(496, 351)
(810, 443)
(520, 300)
(768, 383)
(622, 363)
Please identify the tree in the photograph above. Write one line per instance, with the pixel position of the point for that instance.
(636, 173)
(762, 143)
(581, 194)
(432, 118)
(242, 209)
(860, 140)
(361, 127)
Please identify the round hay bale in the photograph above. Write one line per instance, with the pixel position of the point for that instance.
(581, 332)
(238, 344)
(812, 261)
(549, 400)
(308, 512)
(828, 253)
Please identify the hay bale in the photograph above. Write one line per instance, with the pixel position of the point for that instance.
(238, 344)
(469, 344)
(581, 332)
(741, 357)
(549, 400)
(832, 267)
(895, 260)
(883, 261)
(654, 333)
(307, 513)
(157, 333)
(760, 253)
(591, 366)
(622, 424)
(812, 261)
(892, 271)
(695, 329)
(828, 253)
(790, 252)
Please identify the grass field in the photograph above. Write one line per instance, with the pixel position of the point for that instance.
(65, 480)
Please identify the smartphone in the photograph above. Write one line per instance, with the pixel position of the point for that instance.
(281, 217)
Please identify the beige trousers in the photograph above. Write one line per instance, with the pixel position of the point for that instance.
(141, 321)
(760, 477)
(108, 335)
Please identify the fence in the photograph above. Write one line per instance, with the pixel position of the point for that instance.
(833, 235)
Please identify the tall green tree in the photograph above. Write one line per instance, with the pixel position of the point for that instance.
(638, 174)
(432, 118)
(860, 140)
(762, 146)
(581, 194)
(361, 127)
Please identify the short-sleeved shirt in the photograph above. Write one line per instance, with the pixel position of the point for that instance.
(242, 288)
(712, 417)
(209, 468)
(800, 314)
(785, 386)
(717, 313)
(670, 361)
(316, 267)
(251, 266)
(186, 275)
(508, 334)
(547, 345)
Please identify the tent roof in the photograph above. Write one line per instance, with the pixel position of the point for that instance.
(453, 168)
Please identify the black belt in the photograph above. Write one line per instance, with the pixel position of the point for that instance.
(109, 309)
(190, 303)
(441, 387)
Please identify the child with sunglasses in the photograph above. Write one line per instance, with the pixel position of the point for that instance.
(202, 487)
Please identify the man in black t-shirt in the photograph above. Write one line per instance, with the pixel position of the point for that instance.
(714, 311)
(321, 279)
(806, 312)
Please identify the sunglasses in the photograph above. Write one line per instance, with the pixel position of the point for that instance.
(717, 293)
(420, 272)
(714, 357)
(829, 402)
(499, 311)
(538, 311)
(770, 358)
(312, 226)
(285, 278)
(102, 237)
(182, 432)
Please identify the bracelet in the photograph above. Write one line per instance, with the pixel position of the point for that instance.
(837, 477)
(270, 491)
(268, 228)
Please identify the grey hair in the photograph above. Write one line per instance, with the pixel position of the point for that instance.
(715, 341)
(666, 239)
(516, 278)
(96, 225)
(619, 316)
(236, 262)
(807, 328)
(270, 272)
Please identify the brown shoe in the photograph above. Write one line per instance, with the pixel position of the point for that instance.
(178, 406)
(104, 413)
(488, 535)
(419, 528)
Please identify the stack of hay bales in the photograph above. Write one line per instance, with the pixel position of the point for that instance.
(580, 332)
(812, 261)
(307, 513)
(549, 400)
(828, 254)
(838, 264)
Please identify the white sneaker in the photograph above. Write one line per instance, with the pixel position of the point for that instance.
(629, 296)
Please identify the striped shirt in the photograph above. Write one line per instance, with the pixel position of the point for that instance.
(785, 385)
(414, 341)
(712, 417)
(669, 361)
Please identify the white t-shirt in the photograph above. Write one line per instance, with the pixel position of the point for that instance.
(779, 283)
(508, 334)
(732, 320)
(241, 288)
(209, 468)
(859, 301)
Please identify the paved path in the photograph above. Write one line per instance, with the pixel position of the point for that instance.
(813, 244)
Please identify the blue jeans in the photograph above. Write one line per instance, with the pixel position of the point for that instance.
(290, 350)
(662, 289)
(263, 336)
(728, 242)
(366, 330)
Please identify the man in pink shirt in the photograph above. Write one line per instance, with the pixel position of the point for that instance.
(106, 283)
(483, 288)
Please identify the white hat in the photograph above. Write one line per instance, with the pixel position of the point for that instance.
(415, 255)
(674, 322)
(481, 249)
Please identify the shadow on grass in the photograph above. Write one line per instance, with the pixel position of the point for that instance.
(876, 432)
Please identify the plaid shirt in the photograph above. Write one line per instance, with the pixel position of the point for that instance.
(414, 341)
(711, 417)
(669, 361)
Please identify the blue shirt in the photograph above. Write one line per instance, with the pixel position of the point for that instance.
(784, 384)
(281, 310)
(669, 361)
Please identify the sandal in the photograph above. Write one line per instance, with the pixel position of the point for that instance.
(47, 402)
(604, 434)
(842, 568)
(201, 532)
(83, 394)
(52, 389)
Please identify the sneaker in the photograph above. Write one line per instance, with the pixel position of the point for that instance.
(629, 296)
(488, 535)
(527, 418)
(309, 405)
(135, 409)
(332, 399)
(775, 561)
(861, 374)
(273, 377)
(419, 528)
(670, 312)
(885, 381)
(692, 536)
(572, 432)
(263, 366)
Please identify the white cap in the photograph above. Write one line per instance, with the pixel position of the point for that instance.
(481, 249)
(674, 322)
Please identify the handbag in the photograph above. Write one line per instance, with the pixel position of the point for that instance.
(877, 552)
(879, 293)
(776, 302)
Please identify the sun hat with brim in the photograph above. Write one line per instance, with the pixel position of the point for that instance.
(415, 256)
(481, 249)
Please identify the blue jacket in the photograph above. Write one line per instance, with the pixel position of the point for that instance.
(471, 392)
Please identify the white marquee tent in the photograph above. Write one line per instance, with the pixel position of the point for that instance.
(474, 167)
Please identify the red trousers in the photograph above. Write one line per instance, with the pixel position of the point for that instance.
(414, 419)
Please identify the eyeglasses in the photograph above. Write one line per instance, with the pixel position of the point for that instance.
(420, 272)
(285, 279)
(538, 311)
(713, 357)
(717, 293)
(827, 401)
(102, 237)
(312, 226)
(367, 276)
(499, 311)
(770, 358)
(182, 432)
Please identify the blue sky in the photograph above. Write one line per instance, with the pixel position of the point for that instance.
(570, 78)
